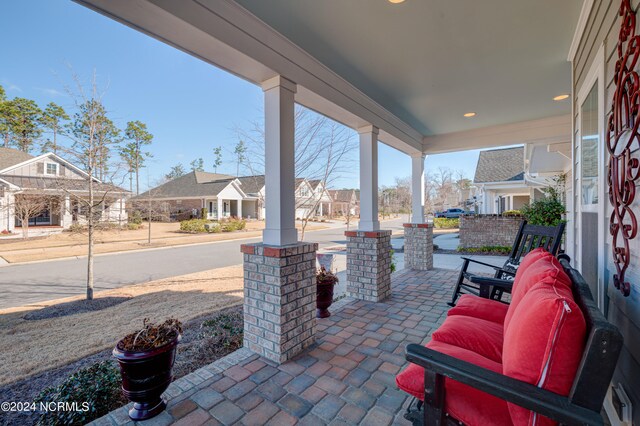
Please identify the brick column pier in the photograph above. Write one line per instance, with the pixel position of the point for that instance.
(279, 299)
(418, 246)
(369, 265)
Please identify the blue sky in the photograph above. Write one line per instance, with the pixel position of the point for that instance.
(188, 105)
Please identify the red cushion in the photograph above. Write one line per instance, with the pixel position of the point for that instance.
(478, 335)
(478, 307)
(530, 258)
(544, 267)
(543, 343)
(462, 402)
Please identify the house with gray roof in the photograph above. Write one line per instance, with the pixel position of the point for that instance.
(64, 186)
(226, 196)
(500, 181)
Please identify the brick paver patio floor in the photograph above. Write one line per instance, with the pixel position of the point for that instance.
(346, 378)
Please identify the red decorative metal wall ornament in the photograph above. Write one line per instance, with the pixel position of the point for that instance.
(622, 139)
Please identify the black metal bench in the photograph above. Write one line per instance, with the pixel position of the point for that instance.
(581, 407)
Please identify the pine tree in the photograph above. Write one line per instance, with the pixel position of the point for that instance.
(132, 152)
(53, 119)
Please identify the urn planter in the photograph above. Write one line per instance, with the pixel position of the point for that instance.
(146, 374)
(325, 282)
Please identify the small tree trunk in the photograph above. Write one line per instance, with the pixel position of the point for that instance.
(90, 263)
(25, 229)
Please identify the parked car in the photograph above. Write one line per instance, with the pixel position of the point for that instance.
(451, 213)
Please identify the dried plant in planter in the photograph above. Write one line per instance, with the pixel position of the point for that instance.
(325, 281)
(146, 359)
(151, 336)
(326, 276)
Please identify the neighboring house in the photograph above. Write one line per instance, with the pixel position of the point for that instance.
(312, 199)
(500, 181)
(50, 175)
(226, 196)
(345, 201)
(187, 195)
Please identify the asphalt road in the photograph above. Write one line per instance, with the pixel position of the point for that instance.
(36, 282)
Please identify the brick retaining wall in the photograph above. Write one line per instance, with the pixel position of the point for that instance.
(488, 230)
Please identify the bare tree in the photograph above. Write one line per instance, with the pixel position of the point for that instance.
(322, 149)
(28, 206)
(89, 197)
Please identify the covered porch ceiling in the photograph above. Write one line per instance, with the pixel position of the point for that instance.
(412, 69)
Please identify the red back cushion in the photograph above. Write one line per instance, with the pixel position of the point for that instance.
(530, 258)
(543, 344)
(545, 266)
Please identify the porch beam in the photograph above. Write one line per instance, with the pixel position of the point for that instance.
(280, 206)
(368, 179)
(417, 188)
(550, 130)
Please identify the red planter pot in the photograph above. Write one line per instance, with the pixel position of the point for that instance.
(324, 298)
(145, 376)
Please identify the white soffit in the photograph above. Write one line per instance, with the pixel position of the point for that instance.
(226, 35)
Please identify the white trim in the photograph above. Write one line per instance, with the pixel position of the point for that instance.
(44, 156)
(596, 75)
(46, 167)
(587, 5)
(548, 130)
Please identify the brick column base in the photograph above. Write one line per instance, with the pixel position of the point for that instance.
(418, 246)
(279, 299)
(369, 265)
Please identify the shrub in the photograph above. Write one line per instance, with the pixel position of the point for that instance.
(512, 213)
(486, 249)
(233, 224)
(97, 385)
(213, 227)
(393, 261)
(133, 226)
(446, 223)
(135, 217)
(226, 330)
(547, 212)
(76, 227)
(204, 213)
(193, 225)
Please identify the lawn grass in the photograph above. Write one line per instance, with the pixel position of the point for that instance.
(33, 346)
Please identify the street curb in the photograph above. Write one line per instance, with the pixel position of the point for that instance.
(4, 263)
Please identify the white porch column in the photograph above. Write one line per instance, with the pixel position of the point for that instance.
(239, 208)
(280, 206)
(219, 212)
(368, 179)
(417, 188)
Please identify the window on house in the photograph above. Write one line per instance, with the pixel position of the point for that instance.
(51, 169)
(590, 139)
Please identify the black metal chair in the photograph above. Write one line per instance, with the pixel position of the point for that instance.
(529, 237)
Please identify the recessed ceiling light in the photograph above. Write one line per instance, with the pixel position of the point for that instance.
(560, 97)
(470, 114)
(396, 1)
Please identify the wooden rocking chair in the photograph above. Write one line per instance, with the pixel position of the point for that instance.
(529, 237)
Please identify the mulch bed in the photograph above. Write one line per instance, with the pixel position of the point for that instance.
(204, 340)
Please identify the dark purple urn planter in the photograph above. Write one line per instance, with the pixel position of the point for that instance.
(324, 297)
(145, 376)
